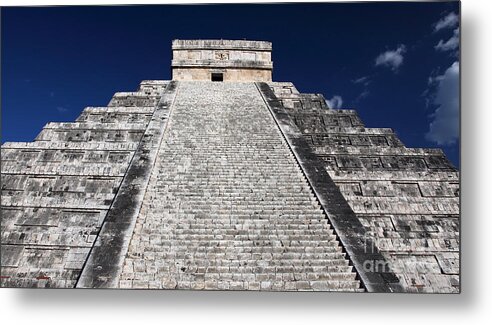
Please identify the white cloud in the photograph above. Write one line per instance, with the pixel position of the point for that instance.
(365, 81)
(61, 109)
(450, 44)
(364, 94)
(362, 80)
(450, 21)
(392, 59)
(444, 128)
(335, 102)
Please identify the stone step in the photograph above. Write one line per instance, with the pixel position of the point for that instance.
(46, 145)
(224, 273)
(353, 286)
(68, 135)
(81, 126)
(238, 240)
(205, 264)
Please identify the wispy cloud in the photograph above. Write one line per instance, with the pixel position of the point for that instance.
(450, 21)
(451, 44)
(392, 59)
(61, 109)
(433, 78)
(335, 102)
(444, 127)
(366, 80)
(362, 95)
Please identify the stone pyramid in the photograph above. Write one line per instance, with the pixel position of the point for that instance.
(221, 179)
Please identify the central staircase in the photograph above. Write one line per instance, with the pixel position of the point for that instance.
(228, 207)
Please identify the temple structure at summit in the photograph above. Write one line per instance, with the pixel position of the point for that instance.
(221, 179)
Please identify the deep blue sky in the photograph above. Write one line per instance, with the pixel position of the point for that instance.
(58, 60)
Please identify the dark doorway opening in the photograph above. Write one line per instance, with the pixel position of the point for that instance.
(217, 77)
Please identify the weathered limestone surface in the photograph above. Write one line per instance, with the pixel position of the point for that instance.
(229, 74)
(226, 186)
(106, 258)
(227, 206)
(235, 60)
(407, 199)
(56, 191)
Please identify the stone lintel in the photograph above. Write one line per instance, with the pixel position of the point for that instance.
(221, 45)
